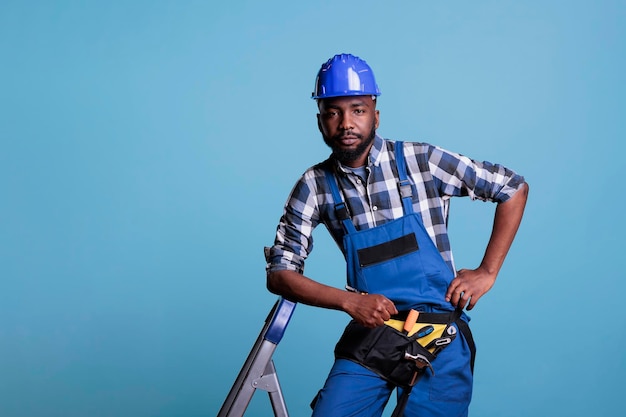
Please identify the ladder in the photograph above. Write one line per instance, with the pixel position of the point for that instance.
(258, 371)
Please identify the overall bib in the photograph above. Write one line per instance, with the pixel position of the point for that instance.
(397, 259)
(400, 261)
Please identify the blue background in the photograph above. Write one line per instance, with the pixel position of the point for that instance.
(147, 148)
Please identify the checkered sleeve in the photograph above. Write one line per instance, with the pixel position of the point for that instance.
(458, 175)
(294, 234)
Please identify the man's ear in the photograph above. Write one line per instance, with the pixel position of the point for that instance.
(319, 123)
(377, 116)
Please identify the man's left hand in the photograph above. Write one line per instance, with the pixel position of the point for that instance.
(468, 286)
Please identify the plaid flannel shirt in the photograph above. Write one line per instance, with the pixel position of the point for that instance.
(436, 175)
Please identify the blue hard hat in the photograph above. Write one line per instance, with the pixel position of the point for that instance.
(345, 75)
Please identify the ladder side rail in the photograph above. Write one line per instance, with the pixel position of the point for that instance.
(258, 361)
(245, 370)
(246, 389)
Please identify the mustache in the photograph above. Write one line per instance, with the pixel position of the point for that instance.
(345, 134)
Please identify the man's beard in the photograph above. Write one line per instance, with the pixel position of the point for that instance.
(348, 155)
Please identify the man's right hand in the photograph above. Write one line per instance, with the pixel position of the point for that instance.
(370, 310)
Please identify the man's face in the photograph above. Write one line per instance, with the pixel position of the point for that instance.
(348, 125)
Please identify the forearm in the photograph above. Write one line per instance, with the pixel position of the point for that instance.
(370, 310)
(507, 219)
(297, 287)
(470, 285)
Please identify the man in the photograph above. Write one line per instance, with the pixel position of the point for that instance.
(393, 233)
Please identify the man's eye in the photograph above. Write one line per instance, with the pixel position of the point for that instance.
(359, 111)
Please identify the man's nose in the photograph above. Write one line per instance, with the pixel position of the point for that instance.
(347, 123)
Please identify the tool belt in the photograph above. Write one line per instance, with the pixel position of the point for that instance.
(398, 356)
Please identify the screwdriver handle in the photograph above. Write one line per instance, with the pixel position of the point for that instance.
(423, 332)
(410, 321)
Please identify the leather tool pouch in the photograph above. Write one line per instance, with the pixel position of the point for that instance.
(391, 354)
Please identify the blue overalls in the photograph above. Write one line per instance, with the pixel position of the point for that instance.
(399, 260)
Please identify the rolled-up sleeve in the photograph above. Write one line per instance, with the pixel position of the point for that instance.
(458, 175)
(294, 235)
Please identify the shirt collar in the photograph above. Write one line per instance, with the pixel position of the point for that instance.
(376, 151)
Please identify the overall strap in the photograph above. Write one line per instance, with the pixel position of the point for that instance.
(341, 211)
(404, 185)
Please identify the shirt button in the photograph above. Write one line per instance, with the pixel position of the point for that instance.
(375, 208)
